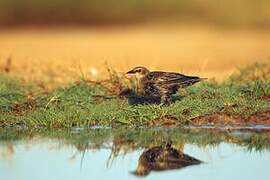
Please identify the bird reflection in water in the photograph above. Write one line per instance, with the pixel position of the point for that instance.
(161, 158)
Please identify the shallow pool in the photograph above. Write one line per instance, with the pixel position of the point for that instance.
(114, 153)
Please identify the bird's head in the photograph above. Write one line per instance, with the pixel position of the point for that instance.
(139, 70)
(143, 167)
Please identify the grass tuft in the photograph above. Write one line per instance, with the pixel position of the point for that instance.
(86, 103)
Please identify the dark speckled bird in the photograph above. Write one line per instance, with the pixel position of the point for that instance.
(162, 84)
(161, 158)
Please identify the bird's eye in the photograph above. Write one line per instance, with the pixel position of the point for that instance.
(139, 70)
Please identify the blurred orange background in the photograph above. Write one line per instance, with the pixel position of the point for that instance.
(44, 42)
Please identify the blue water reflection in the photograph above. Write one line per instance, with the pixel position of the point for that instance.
(43, 159)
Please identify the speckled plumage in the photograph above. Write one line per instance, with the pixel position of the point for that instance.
(162, 84)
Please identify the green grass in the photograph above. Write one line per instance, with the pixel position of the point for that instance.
(11, 92)
(84, 104)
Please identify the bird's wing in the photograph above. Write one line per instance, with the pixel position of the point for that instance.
(160, 77)
(170, 79)
(160, 83)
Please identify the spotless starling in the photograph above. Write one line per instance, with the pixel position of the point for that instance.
(161, 84)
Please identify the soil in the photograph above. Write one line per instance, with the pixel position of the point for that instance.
(221, 119)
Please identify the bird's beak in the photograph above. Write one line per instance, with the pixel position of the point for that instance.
(130, 72)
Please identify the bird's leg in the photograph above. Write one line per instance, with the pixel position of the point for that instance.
(166, 99)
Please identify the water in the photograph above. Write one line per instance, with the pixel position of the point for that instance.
(114, 154)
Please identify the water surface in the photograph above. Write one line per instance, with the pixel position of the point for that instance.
(114, 153)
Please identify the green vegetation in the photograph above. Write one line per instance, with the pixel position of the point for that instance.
(96, 12)
(84, 103)
(11, 92)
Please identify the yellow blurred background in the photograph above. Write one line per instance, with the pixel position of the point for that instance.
(62, 39)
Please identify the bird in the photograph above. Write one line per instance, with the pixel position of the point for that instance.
(159, 158)
(161, 84)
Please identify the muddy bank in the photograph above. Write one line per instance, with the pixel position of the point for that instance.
(221, 119)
